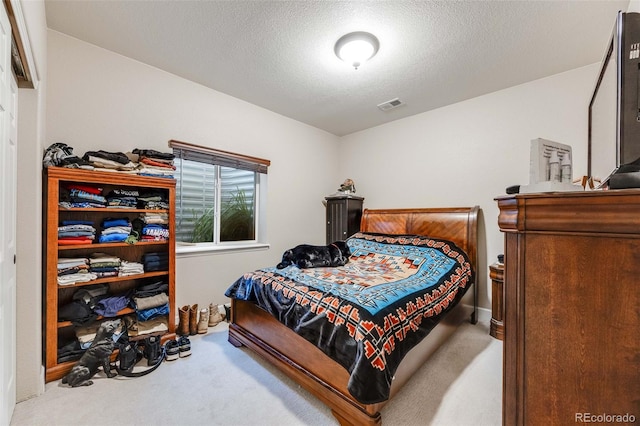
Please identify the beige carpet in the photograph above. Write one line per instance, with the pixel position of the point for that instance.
(223, 385)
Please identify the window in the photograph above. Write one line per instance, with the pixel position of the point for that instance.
(218, 196)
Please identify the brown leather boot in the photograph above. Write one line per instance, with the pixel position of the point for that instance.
(183, 324)
(193, 320)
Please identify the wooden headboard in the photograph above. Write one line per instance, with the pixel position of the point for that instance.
(456, 224)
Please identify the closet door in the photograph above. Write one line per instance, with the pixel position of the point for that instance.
(8, 161)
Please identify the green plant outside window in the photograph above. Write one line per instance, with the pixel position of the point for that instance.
(207, 192)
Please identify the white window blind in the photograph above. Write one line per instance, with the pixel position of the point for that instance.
(195, 200)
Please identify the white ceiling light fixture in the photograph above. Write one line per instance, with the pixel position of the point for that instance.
(357, 47)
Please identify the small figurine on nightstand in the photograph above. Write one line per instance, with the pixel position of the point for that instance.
(348, 187)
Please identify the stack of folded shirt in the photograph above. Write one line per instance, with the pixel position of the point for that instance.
(111, 161)
(157, 261)
(104, 265)
(152, 307)
(153, 200)
(76, 278)
(123, 198)
(155, 163)
(155, 218)
(76, 232)
(74, 269)
(130, 268)
(72, 265)
(76, 195)
(155, 233)
(154, 227)
(115, 230)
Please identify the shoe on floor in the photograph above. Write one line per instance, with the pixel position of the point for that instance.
(193, 320)
(183, 324)
(203, 321)
(172, 350)
(184, 346)
(215, 316)
(152, 350)
(227, 312)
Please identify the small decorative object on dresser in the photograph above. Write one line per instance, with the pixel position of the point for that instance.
(550, 168)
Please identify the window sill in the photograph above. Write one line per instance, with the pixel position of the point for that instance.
(186, 249)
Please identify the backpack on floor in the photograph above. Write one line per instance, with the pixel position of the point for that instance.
(129, 354)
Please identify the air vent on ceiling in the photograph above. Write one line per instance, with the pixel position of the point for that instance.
(393, 103)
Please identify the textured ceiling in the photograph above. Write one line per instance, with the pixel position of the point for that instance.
(279, 54)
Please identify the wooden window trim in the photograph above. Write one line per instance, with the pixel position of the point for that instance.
(207, 150)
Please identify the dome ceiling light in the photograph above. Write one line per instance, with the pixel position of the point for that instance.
(356, 48)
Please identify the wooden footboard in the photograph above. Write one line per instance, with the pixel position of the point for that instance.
(326, 379)
(300, 360)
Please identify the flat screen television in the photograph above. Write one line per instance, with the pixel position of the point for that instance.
(614, 110)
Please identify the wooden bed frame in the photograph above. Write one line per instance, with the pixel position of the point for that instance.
(323, 377)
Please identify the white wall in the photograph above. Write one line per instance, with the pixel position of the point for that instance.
(100, 100)
(468, 153)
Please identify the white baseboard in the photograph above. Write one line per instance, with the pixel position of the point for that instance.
(484, 314)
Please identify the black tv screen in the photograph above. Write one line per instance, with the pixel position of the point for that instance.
(614, 110)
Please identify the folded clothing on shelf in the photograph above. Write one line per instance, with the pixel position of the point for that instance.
(104, 265)
(156, 261)
(142, 303)
(123, 198)
(76, 232)
(115, 230)
(151, 289)
(130, 268)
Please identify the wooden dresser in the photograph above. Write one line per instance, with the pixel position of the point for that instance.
(572, 307)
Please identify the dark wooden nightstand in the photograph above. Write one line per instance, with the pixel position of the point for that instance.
(343, 216)
(496, 273)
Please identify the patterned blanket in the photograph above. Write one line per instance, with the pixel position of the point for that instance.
(367, 314)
